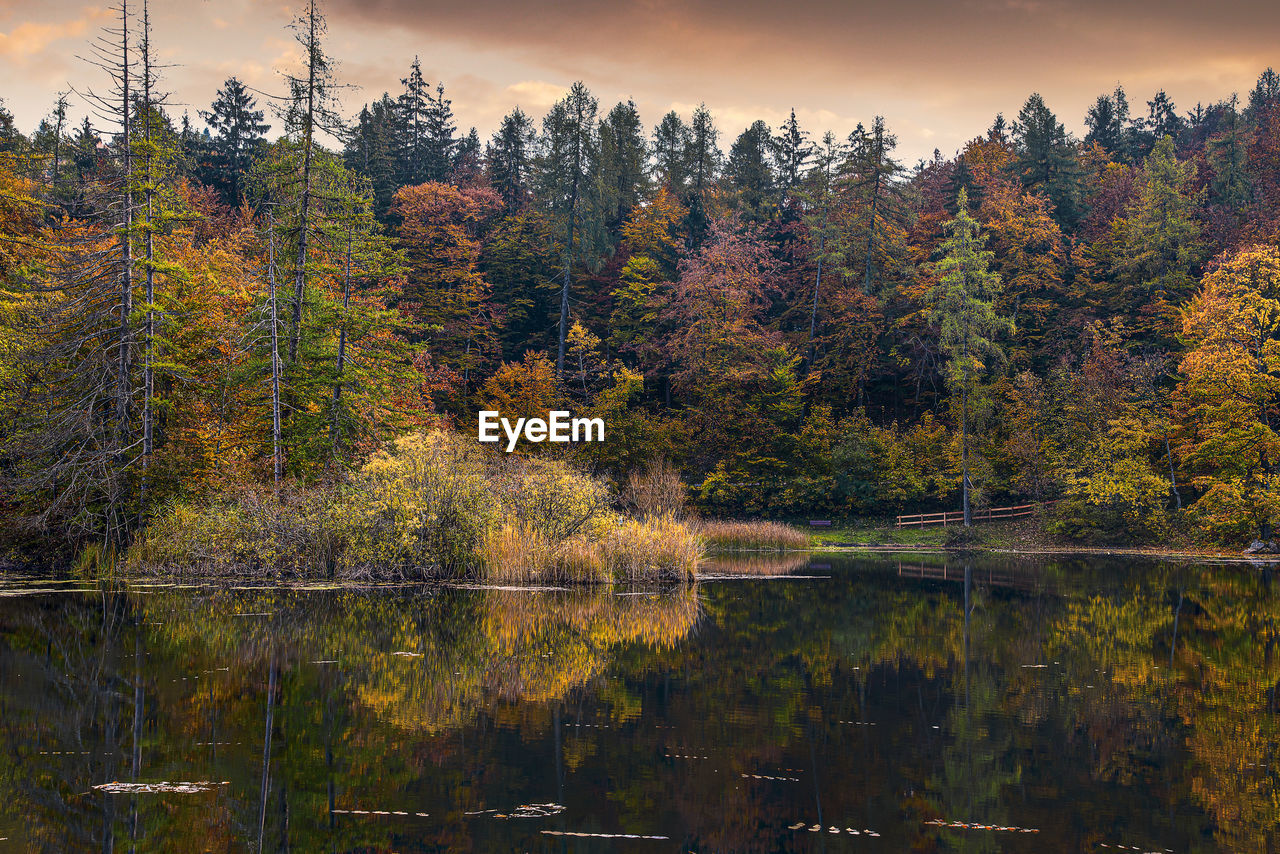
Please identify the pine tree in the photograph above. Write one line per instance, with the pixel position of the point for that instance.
(1046, 159)
(509, 157)
(818, 196)
(309, 110)
(567, 164)
(963, 308)
(1228, 156)
(702, 165)
(622, 166)
(791, 151)
(1161, 242)
(238, 129)
(1162, 119)
(670, 141)
(439, 142)
(749, 172)
(1108, 122)
(413, 108)
(374, 150)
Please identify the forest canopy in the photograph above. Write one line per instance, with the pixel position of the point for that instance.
(801, 323)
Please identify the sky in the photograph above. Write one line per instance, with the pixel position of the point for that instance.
(937, 71)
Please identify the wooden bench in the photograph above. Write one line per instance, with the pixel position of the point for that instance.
(819, 523)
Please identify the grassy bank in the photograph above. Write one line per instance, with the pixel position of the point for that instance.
(432, 506)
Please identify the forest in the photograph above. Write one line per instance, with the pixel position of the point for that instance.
(272, 295)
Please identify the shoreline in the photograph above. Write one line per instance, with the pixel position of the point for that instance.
(1101, 551)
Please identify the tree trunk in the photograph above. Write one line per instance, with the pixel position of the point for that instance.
(148, 372)
(125, 339)
(964, 436)
(308, 121)
(817, 283)
(342, 352)
(274, 310)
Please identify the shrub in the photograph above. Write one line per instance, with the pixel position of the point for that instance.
(432, 504)
(252, 532)
(656, 492)
(424, 503)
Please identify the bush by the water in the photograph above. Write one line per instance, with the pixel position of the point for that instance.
(434, 504)
(751, 536)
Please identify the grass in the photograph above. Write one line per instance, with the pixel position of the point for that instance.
(873, 532)
(731, 536)
(659, 549)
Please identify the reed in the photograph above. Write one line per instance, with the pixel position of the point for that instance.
(750, 536)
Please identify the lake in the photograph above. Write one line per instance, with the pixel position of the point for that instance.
(871, 704)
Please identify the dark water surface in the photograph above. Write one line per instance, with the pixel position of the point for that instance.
(1073, 705)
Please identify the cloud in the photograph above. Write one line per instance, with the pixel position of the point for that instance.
(30, 38)
(937, 70)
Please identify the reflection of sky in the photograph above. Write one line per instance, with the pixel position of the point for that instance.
(938, 71)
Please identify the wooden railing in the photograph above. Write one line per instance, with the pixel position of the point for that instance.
(1029, 580)
(956, 517)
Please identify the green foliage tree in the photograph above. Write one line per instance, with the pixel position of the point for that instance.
(962, 306)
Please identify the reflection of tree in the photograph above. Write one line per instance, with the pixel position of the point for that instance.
(1050, 685)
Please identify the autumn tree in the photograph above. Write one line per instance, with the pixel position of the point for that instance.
(1230, 391)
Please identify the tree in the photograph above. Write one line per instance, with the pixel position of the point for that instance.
(962, 307)
(307, 110)
(441, 234)
(670, 140)
(1159, 238)
(702, 166)
(1046, 159)
(413, 108)
(622, 166)
(238, 129)
(1230, 391)
(1228, 156)
(749, 172)
(1108, 123)
(818, 196)
(509, 157)
(566, 166)
(791, 150)
(440, 144)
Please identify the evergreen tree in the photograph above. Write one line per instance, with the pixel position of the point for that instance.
(1108, 123)
(410, 133)
(1266, 92)
(1162, 120)
(701, 165)
(1228, 156)
(440, 144)
(749, 172)
(238, 130)
(963, 308)
(509, 157)
(1046, 159)
(1160, 246)
(567, 166)
(374, 150)
(622, 166)
(670, 142)
(466, 159)
(791, 150)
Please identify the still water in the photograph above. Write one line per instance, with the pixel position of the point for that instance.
(837, 705)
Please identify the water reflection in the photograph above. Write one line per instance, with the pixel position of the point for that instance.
(998, 705)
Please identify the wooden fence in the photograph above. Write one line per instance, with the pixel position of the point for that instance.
(956, 517)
